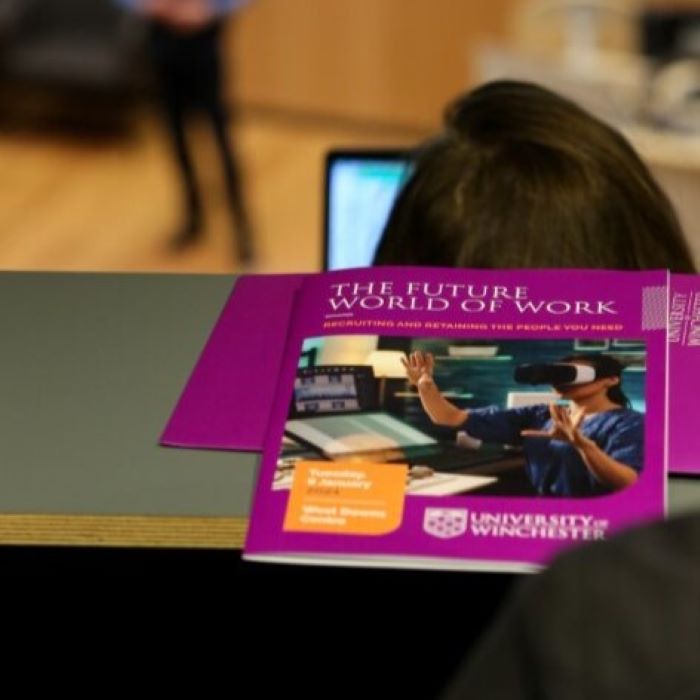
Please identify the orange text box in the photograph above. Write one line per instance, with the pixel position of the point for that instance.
(352, 498)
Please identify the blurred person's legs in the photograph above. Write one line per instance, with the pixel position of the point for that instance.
(210, 83)
(175, 77)
(189, 70)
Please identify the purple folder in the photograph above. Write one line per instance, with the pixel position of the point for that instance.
(684, 375)
(226, 402)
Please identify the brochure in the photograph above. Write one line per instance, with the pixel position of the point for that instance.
(359, 468)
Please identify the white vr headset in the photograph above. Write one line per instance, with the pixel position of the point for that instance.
(556, 373)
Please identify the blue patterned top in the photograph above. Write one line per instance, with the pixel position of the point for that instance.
(554, 467)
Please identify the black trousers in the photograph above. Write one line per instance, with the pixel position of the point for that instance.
(189, 72)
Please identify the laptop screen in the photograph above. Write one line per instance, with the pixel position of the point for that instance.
(360, 190)
(362, 432)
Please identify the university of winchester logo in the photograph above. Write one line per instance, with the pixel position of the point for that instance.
(445, 522)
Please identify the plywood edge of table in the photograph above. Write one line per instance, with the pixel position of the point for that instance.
(123, 531)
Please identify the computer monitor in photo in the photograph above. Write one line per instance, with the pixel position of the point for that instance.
(360, 189)
(333, 389)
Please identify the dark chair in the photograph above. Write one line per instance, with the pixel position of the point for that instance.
(85, 51)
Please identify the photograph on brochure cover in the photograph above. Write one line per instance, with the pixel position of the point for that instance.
(506, 417)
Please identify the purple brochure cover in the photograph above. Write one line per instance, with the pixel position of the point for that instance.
(226, 403)
(684, 374)
(597, 309)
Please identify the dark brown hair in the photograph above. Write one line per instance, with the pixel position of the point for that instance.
(521, 177)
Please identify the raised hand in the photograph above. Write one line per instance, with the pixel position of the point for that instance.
(419, 367)
(565, 426)
(419, 371)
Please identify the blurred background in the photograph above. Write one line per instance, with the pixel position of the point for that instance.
(87, 175)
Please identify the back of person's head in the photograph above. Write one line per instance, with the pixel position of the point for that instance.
(522, 177)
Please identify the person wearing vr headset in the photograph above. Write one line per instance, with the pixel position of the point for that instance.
(592, 447)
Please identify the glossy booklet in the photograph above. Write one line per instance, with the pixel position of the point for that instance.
(438, 418)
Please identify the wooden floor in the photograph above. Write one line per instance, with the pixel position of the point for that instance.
(68, 203)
